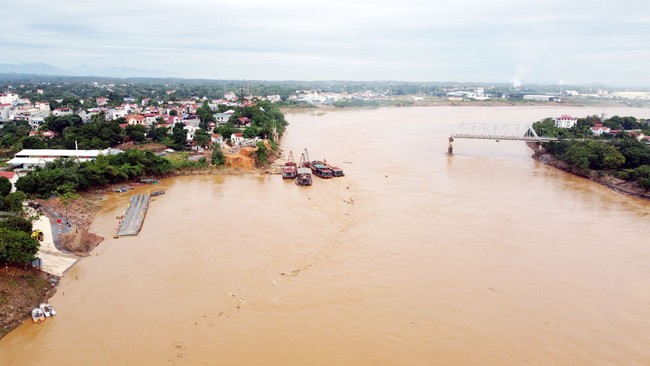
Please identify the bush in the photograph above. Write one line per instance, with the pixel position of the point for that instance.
(5, 186)
(218, 158)
(16, 223)
(17, 246)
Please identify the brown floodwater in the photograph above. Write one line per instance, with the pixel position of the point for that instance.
(413, 258)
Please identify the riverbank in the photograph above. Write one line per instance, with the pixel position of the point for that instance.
(613, 183)
(20, 291)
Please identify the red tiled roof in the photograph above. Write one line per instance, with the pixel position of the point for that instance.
(8, 175)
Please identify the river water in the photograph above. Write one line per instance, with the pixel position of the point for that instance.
(414, 258)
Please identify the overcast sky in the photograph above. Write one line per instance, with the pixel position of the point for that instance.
(542, 41)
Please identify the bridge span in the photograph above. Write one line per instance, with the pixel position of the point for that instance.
(497, 132)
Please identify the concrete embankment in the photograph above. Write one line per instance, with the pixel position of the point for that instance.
(53, 260)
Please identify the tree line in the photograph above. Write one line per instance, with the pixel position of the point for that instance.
(16, 242)
(620, 154)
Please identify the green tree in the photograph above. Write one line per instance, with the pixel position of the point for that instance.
(226, 130)
(179, 136)
(135, 132)
(5, 186)
(250, 132)
(218, 158)
(201, 138)
(262, 153)
(33, 142)
(13, 202)
(157, 133)
(17, 246)
(60, 123)
(17, 223)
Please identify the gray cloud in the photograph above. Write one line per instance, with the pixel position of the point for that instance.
(575, 41)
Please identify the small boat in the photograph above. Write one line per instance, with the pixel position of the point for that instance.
(47, 309)
(149, 181)
(120, 189)
(37, 315)
(157, 193)
(289, 169)
(319, 168)
(304, 173)
(304, 177)
(336, 171)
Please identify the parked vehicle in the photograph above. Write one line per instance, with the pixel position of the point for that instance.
(37, 315)
(47, 309)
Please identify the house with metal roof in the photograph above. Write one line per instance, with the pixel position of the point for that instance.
(28, 158)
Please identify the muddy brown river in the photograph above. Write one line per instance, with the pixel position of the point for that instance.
(413, 258)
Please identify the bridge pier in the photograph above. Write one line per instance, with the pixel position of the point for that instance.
(450, 148)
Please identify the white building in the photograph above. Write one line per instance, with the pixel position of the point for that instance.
(222, 118)
(598, 129)
(191, 131)
(565, 121)
(9, 98)
(29, 158)
(62, 112)
(539, 98)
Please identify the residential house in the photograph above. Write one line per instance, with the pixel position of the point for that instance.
(222, 118)
(44, 106)
(191, 131)
(113, 114)
(598, 129)
(230, 96)
(637, 134)
(135, 119)
(174, 120)
(150, 119)
(9, 98)
(244, 121)
(237, 138)
(192, 120)
(5, 111)
(565, 121)
(217, 139)
(101, 101)
(62, 112)
(35, 122)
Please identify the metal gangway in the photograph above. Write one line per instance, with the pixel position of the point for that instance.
(132, 220)
(498, 132)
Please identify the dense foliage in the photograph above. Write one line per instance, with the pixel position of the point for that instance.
(266, 118)
(619, 154)
(68, 175)
(16, 243)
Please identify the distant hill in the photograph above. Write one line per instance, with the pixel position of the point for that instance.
(39, 68)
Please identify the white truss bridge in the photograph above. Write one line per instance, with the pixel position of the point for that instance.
(498, 131)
